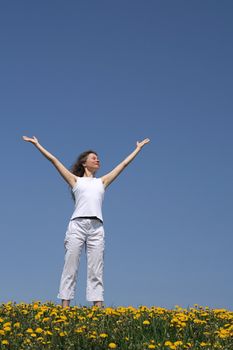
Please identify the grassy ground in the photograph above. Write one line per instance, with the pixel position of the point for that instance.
(48, 326)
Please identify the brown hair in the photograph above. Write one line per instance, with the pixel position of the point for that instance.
(78, 168)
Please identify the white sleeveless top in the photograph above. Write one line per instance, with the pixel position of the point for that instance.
(89, 194)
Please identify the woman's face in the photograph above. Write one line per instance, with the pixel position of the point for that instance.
(92, 162)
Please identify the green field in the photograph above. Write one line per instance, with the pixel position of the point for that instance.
(48, 326)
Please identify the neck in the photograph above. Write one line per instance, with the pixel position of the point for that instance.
(88, 173)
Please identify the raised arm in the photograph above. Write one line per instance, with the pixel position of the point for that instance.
(108, 178)
(65, 173)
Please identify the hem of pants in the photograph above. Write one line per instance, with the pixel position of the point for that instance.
(95, 299)
(59, 296)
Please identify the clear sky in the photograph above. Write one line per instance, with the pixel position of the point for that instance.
(102, 75)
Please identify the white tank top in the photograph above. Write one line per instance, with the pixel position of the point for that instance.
(89, 194)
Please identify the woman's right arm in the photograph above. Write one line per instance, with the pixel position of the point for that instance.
(65, 173)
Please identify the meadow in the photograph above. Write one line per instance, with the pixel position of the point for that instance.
(41, 326)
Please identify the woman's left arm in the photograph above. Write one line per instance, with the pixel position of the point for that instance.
(108, 178)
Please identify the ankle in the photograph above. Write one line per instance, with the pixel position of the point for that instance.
(65, 303)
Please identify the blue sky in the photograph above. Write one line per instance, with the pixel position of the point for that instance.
(102, 75)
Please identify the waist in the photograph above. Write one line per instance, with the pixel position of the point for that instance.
(90, 217)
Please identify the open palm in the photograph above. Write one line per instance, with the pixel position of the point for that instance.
(142, 143)
(31, 139)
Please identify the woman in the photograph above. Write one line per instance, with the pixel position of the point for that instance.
(86, 223)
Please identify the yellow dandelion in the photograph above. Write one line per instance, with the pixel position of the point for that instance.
(17, 325)
(39, 330)
(92, 336)
(223, 334)
(143, 308)
(146, 322)
(7, 324)
(151, 346)
(168, 343)
(38, 316)
(78, 330)
(103, 335)
(29, 330)
(5, 342)
(58, 321)
(64, 318)
(112, 346)
(178, 342)
(53, 313)
(2, 332)
(7, 329)
(40, 338)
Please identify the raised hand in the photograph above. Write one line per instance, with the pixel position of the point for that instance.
(65, 173)
(33, 140)
(142, 143)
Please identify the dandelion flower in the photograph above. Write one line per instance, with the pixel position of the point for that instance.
(5, 342)
(7, 329)
(39, 330)
(146, 322)
(62, 334)
(29, 330)
(17, 324)
(103, 335)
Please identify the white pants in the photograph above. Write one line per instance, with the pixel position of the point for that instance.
(89, 233)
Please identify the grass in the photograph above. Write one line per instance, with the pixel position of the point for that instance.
(48, 326)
